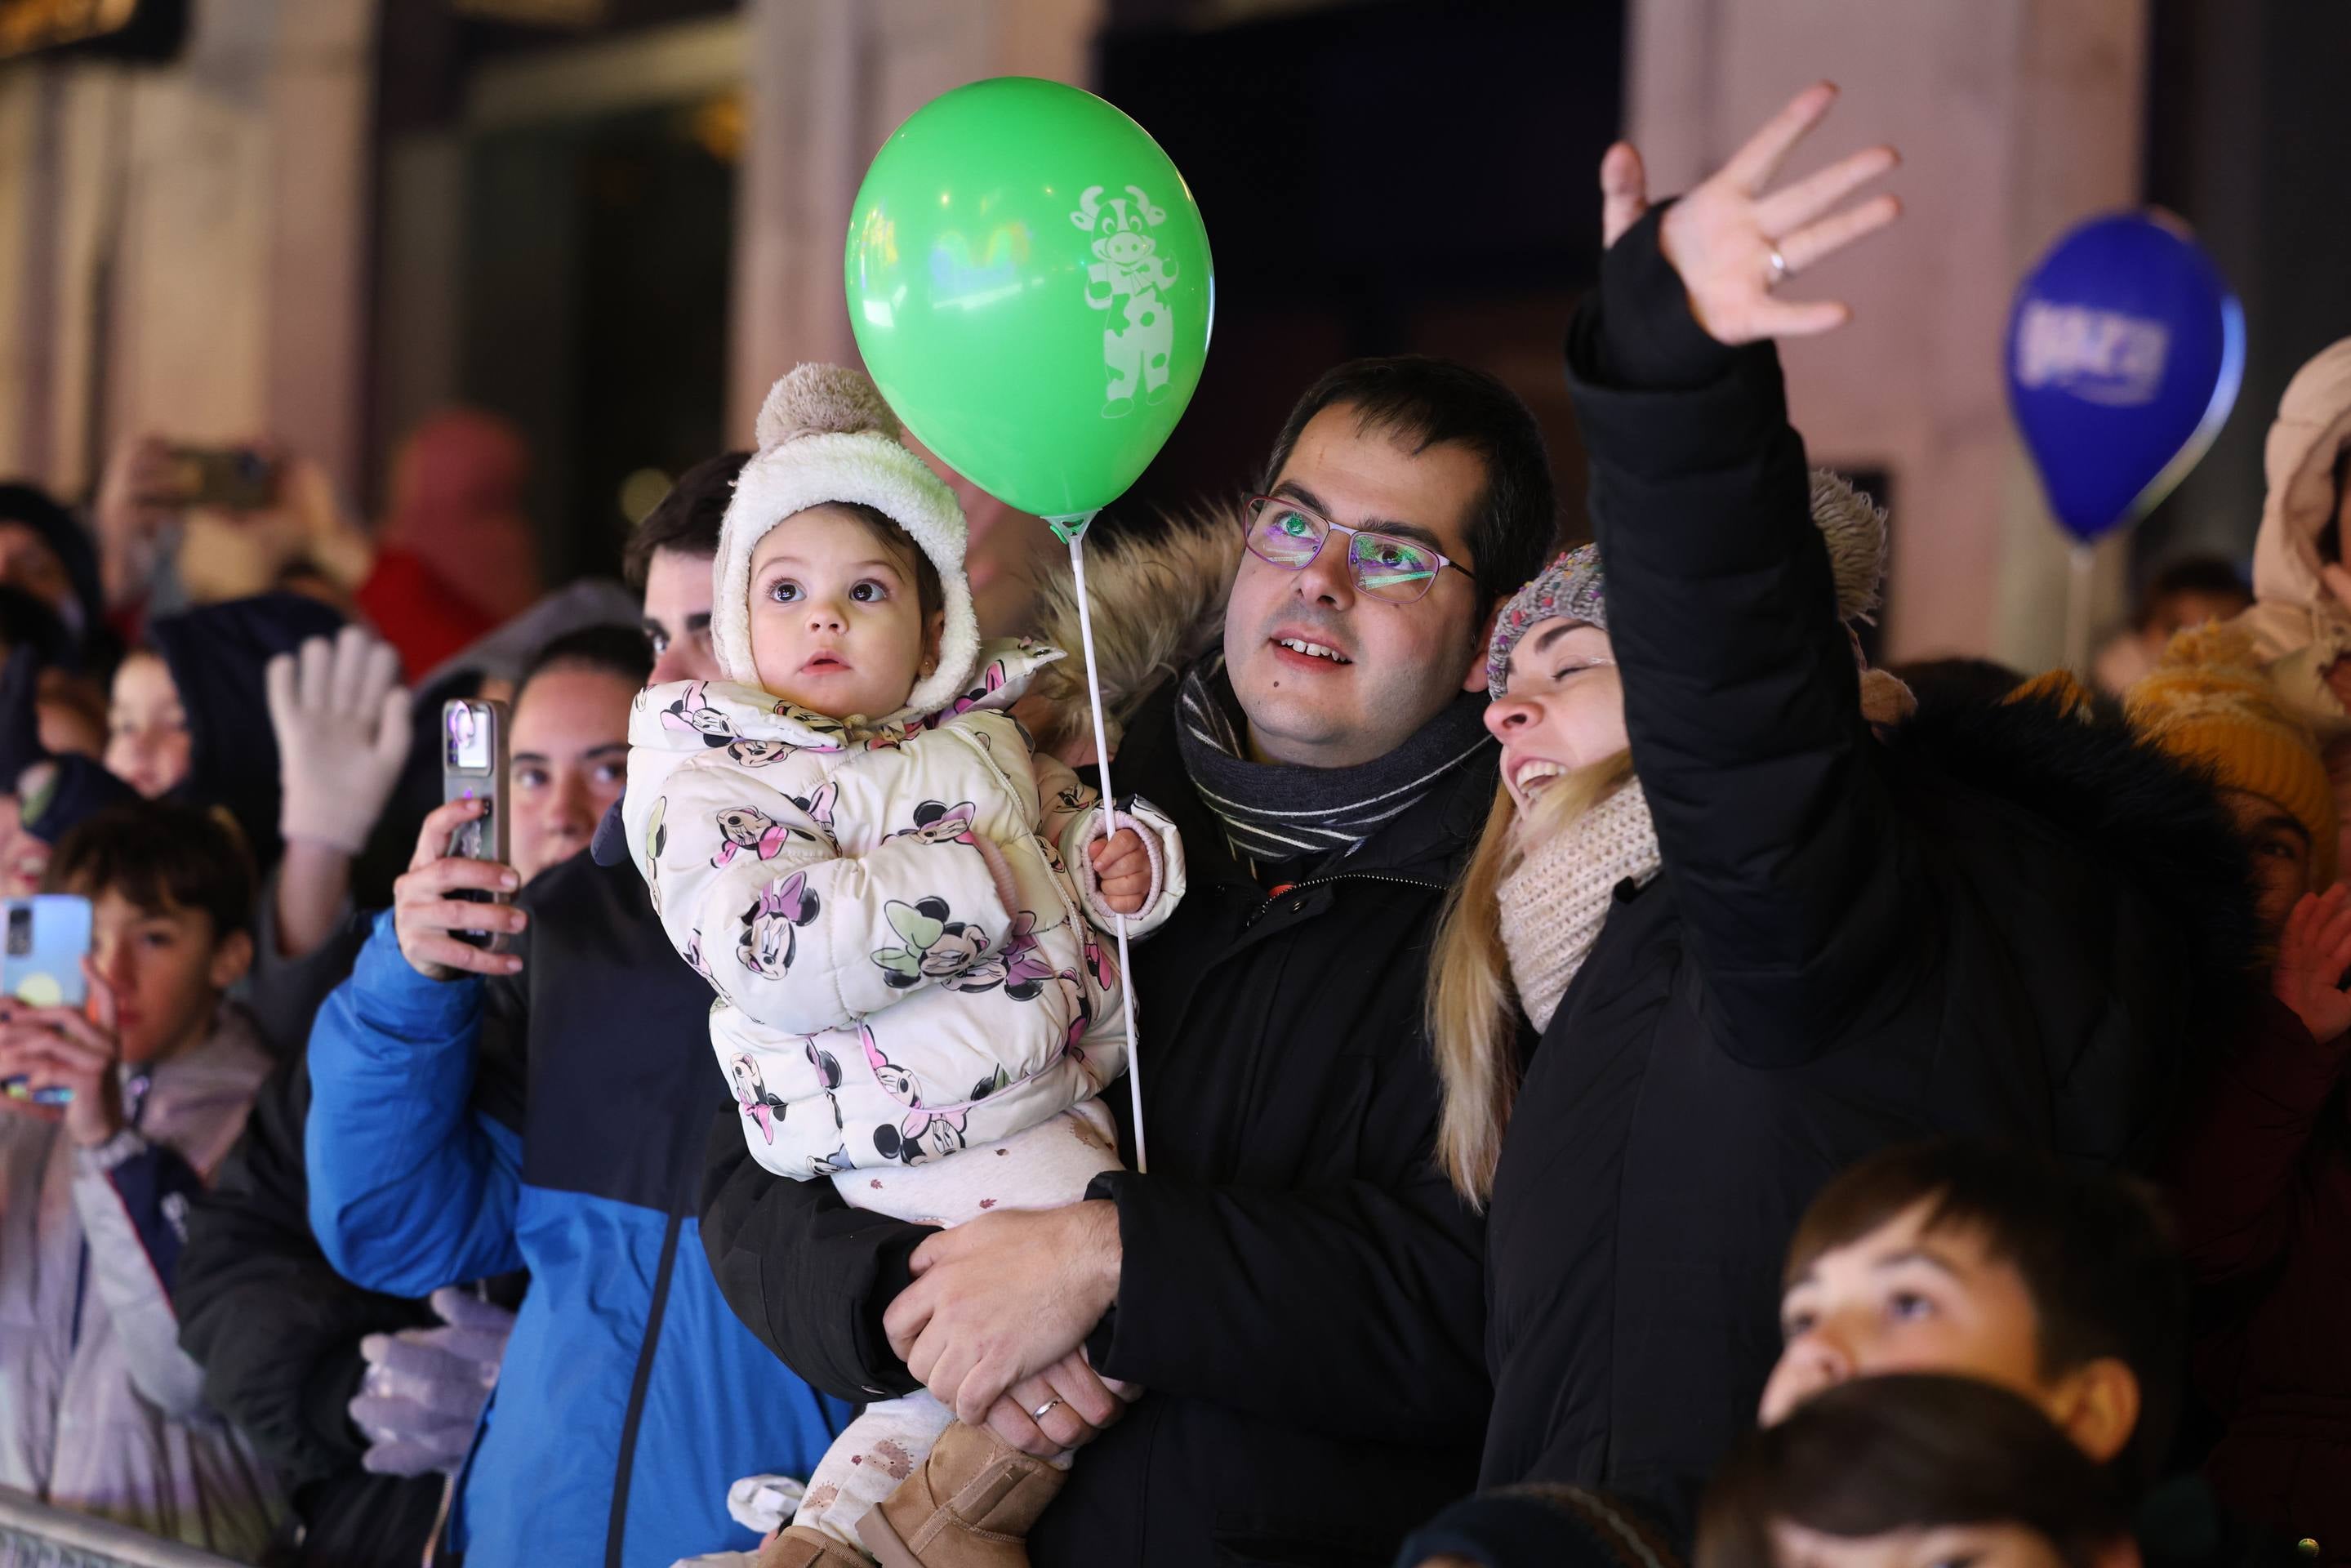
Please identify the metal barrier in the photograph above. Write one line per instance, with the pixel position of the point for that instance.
(34, 1535)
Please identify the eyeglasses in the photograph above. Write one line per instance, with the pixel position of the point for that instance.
(1394, 570)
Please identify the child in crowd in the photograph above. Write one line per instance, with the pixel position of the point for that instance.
(2054, 1280)
(2209, 704)
(2185, 593)
(853, 840)
(1914, 1471)
(99, 1410)
(190, 715)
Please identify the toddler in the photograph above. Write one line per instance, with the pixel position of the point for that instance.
(853, 840)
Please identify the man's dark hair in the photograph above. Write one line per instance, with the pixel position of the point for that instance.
(1425, 402)
(2210, 575)
(2093, 1246)
(623, 652)
(1909, 1451)
(688, 518)
(162, 857)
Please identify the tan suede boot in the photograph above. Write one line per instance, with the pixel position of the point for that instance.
(800, 1547)
(970, 1506)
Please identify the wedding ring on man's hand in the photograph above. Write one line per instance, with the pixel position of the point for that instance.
(1043, 1410)
(1780, 271)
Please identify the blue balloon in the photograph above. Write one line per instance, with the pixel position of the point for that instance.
(2124, 351)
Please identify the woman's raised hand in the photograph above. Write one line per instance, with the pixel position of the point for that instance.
(1734, 243)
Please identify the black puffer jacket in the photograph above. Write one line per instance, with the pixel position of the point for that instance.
(1300, 1292)
(2005, 921)
(277, 1333)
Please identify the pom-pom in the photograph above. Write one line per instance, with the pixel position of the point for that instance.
(823, 399)
(1854, 527)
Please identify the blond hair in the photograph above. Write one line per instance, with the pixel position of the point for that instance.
(1473, 1015)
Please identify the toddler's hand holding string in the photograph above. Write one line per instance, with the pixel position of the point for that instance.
(1123, 868)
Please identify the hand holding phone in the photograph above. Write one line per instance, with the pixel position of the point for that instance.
(224, 478)
(43, 944)
(451, 910)
(71, 1050)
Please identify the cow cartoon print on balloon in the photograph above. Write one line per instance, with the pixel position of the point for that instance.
(1125, 280)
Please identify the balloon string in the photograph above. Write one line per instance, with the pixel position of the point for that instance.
(2080, 586)
(1076, 537)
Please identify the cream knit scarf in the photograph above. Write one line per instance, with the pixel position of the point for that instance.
(1553, 904)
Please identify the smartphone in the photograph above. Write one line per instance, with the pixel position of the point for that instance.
(227, 478)
(42, 945)
(473, 767)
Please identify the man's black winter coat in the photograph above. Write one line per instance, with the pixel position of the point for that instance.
(1301, 1291)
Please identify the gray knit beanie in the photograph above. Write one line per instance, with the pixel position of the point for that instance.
(1573, 587)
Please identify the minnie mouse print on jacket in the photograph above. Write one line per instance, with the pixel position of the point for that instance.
(921, 881)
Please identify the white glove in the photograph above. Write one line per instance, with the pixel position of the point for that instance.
(341, 718)
(423, 1391)
(763, 1504)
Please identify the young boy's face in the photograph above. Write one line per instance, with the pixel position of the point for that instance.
(167, 971)
(1908, 1298)
(836, 616)
(1975, 1545)
(147, 744)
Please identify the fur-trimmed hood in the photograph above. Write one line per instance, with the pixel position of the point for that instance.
(2131, 806)
(2296, 622)
(1158, 604)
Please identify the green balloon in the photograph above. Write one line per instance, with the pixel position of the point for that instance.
(1029, 283)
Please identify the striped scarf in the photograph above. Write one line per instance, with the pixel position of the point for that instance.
(1275, 812)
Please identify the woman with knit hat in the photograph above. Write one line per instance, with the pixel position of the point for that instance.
(895, 901)
(1765, 923)
(2261, 1186)
(2209, 703)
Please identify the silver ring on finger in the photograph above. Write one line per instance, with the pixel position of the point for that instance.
(1781, 270)
(1043, 1410)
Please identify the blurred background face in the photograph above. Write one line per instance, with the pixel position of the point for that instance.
(72, 713)
(2280, 849)
(28, 562)
(147, 744)
(167, 972)
(24, 859)
(569, 762)
(677, 617)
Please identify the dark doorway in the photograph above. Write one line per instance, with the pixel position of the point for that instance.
(597, 257)
(1382, 178)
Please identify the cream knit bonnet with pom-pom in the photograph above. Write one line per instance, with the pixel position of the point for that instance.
(825, 435)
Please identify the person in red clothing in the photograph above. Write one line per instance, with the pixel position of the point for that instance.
(2261, 1184)
(456, 556)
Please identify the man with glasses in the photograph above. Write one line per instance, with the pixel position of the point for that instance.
(1292, 1282)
